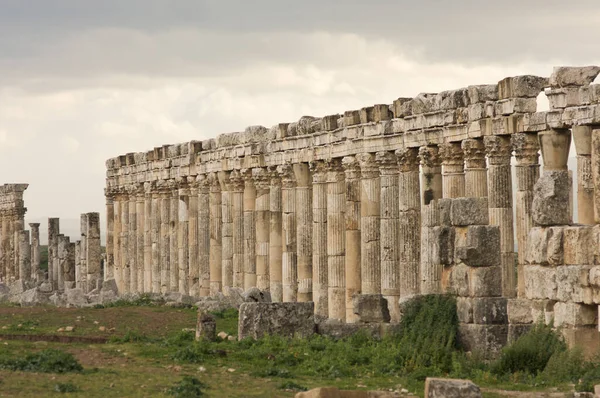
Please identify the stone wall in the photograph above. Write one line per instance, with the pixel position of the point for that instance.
(326, 208)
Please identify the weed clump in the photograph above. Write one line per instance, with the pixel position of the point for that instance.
(143, 300)
(188, 387)
(65, 387)
(291, 386)
(47, 361)
(131, 336)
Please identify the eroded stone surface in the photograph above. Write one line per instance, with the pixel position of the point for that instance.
(451, 388)
(551, 196)
(282, 319)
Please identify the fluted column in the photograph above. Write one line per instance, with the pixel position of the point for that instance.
(276, 238)
(289, 233)
(140, 208)
(125, 246)
(336, 240)
(352, 219)
(148, 220)
(109, 264)
(304, 229)
(262, 219)
(227, 232)
(24, 256)
(582, 136)
(475, 168)
(131, 272)
(183, 232)
(453, 174)
(165, 238)
(249, 230)
(526, 147)
(156, 242)
(35, 251)
(4, 249)
(390, 226)
(237, 202)
(204, 228)
(216, 234)
(117, 245)
(370, 203)
(409, 231)
(319, 250)
(499, 152)
(53, 232)
(173, 240)
(193, 254)
(81, 260)
(431, 186)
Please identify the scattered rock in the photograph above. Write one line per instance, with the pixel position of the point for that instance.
(451, 388)
(284, 319)
(70, 329)
(255, 295)
(371, 308)
(206, 328)
(222, 335)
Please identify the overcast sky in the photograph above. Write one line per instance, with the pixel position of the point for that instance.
(83, 80)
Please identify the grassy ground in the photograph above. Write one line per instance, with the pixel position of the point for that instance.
(148, 353)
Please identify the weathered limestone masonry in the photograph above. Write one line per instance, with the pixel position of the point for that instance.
(324, 209)
(12, 240)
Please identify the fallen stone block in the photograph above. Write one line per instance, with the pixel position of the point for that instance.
(255, 295)
(284, 319)
(478, 245)
(45, 287)
(75, 297)
(469, 211)
(551, 199)
(333, 392)
(33, 297)
(206, 327)
(451, 388)
(568, 76)
(371, 308)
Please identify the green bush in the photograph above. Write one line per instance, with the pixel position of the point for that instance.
(188, 387)
(531, 352)
(65, 387)
(47, 361)
(291, 386)
(589, 379)
(196, 352)
(131, 336)
(565, 366)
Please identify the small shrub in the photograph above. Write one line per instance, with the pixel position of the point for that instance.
(197, 352)
(65, 387)
(229, 313)
(131, 336)
(47, 361)
(589, 379)
(531, 352)
(565, 366)
(188, 387)
(179, 339)
(291, 386)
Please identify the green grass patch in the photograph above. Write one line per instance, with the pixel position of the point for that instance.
(188, 387)
(46, 361)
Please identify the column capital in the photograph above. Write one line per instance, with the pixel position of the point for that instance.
(213, 182)
(474, 153)
(224, 180)
(498, 149)
(408, 159)
(351, 167)
(335, 171)
(237, 181)
(387, 162)
(526, 147)
(429, 156)
(203, 183)
(286, 173)
(319, 171)
(261, 179)
(451, 154)
(368, 166)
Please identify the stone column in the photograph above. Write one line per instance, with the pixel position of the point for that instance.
(117, 244)
(475, 168)
(173, 238)
(499, 151)
(319, 250)
(193, 254)
(66, 255)
(81, 260)
(183, 231)
(453, 173)
(5, 248)
(409, 232)
(53, 232)
(431, 186)
(93, 251)
(237, 202)
(370, 203)
(24, 256)
(216, 235)
(289, 232)
(148, 229)
(262, 219)
(527, 169)
(19, 226)
(227, 237)
(276, 239)
(140, 217)
(582, 135)
(336, 240)
(249, 230)
(78, 258)
(35, 251)
(304, 228)
(156, 242)
(352, 219)
(204, 228)
(109, 264)
(165, 238)
(390, 227)
(132, 273)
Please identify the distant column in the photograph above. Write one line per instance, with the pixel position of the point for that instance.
(352, 218)
(5, 249)
(370, 203)
(24, 256)
(131, 273)
(81, 260)
(390, 226)
(289, 232)
(431, 186)
(526, 147)
(499, 152)
(173, 238)
(183, 231)
(117, 245)
(262, 219)
(204, 228)
(319, 203)
(140, 209)
(109, 264)
(35, 251)
(93, 251)
(53, 232)
(237, 202)
(193, 254)
(227, 231)
(148, 230)
(304, 229)
(409, 233)
(66, 255)
(165, 238)
(276, 271)
(453, 175)
(475, 168)
(336, 240)
(582, 136)
(156, 242)
(216, 226)
(249, 230)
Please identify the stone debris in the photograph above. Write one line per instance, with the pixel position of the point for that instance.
(451, 388)
(371, 308)
(283, 319)
(333, 392)
(206, 328)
